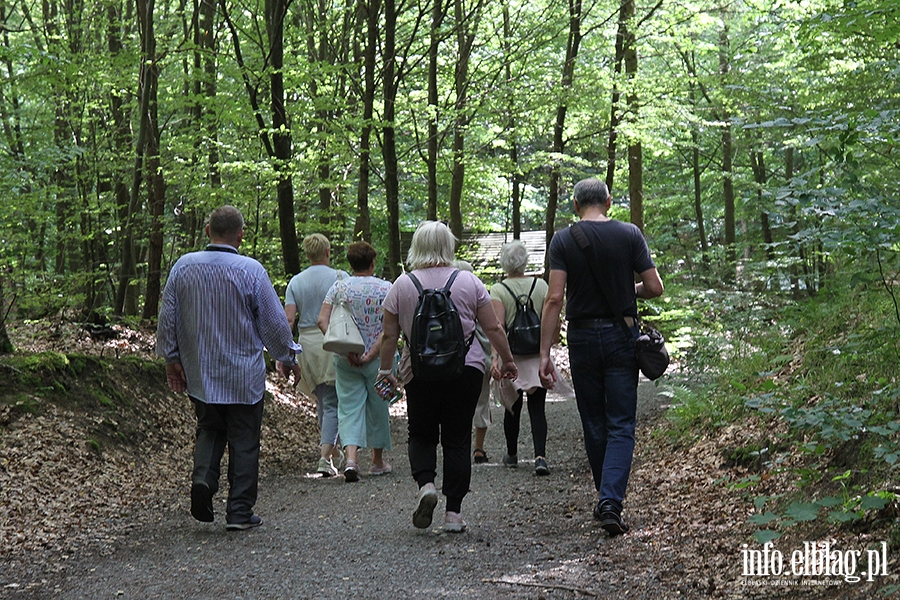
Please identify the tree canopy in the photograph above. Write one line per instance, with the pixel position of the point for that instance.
(753, 141)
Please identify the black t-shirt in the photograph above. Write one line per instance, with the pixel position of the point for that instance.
(624, 252)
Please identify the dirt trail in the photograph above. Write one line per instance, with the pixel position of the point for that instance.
(528, 537)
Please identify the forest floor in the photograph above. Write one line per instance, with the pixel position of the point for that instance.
(95, 458)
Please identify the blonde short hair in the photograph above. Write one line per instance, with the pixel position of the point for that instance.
(433, 245)
(316, 246)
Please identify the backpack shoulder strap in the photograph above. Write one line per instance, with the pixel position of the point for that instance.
(450, 281)
(415, 282)
(516, 297)
(512, 293)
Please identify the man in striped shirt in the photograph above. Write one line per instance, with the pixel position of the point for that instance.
(219, 311)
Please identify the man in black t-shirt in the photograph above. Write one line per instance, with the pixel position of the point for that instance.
(601, 356)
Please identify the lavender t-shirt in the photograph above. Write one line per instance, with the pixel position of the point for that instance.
(467, 292)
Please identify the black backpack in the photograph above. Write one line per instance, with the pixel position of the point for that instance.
(524, 335)
(438, 347)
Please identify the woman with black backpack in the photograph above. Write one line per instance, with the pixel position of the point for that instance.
(518, 301)
(437, 307)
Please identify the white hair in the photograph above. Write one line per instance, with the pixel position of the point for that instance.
(514, 257)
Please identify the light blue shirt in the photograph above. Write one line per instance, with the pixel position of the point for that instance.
(219, 310)
(307, 290)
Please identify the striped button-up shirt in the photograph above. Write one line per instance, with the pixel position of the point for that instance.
(219, 310)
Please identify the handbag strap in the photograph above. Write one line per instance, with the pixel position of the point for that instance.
(582, 240)
(342, 290)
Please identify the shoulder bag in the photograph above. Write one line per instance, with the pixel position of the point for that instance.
(342, 336)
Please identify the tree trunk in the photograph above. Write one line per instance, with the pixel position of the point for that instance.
(635, 152)
(757, 163)
(615, 110)
(126, 301)
(794, 218)
(6, 346)
(157, 203)
(205, 84)
(465, 38)
(121, 142)
(437, 17)
(727, 163)
(389, 143)
(363, 226)
(281, 137)
(695, 170)
(515, 177)
(573, 43)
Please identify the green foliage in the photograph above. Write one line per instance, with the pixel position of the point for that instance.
(27, 404)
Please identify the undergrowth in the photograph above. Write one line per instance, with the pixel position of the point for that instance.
(824, 371)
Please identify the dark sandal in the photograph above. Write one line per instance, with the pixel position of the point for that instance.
(480, 456)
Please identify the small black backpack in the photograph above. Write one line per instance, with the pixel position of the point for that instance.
(438, 347)
(524, 335)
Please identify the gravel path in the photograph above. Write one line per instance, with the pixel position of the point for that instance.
(528, 537)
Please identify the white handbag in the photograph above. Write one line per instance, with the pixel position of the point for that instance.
(342, 336)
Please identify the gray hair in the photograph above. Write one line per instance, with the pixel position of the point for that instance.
(433, 245)
(591, 191)
(462, 265)
(514, 258)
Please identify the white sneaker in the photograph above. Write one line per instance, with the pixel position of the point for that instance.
(425, 503)
(453, 522)
(326, 468)
(384, 469)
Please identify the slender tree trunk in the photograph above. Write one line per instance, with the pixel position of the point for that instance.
(465, 38)
(389, 143)
(515, 176)
(281, 137)
(698, 205)
(126, 296)
(363, 227)
(516, 192)
(156, 201)
(794, 217)
(635, 151)
(437, 18)
(615, 109)
(205, 88)
(573, 44)
(6, 346)
(757, 162)
(727, 163)
(121, 142)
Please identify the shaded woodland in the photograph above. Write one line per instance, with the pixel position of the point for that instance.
(754, 142)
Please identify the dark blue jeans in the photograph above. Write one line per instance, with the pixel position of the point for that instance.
(605, 377)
